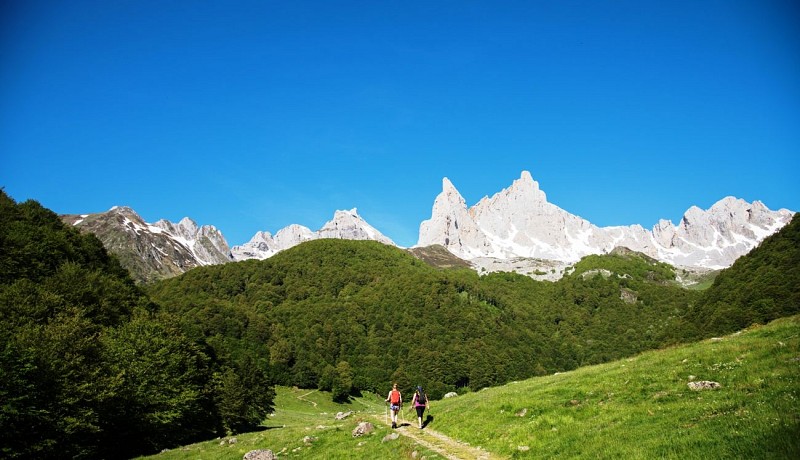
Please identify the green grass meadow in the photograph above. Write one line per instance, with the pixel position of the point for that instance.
(636, 408)
(642, 407)
(304, 413)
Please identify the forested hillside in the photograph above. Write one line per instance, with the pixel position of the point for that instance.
(355, 315)
(89, 367)
(758, 288)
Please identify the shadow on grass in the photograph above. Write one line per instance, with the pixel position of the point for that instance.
(261, 428)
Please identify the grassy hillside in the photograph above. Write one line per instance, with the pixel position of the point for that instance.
(639, 407)
(642, 407)
(302, 414)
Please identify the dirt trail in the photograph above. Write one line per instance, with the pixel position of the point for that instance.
(303, 398)
(445, 446)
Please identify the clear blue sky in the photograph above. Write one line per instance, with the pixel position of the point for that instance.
(251, 116)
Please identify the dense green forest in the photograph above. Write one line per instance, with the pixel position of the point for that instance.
(94, 366)
(355, 315)
(89, 366)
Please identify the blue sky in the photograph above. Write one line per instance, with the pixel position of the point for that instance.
(251, 116)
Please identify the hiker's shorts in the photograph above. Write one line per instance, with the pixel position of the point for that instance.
(395, 407)
(420, 411)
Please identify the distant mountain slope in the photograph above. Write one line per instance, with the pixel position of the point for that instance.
(154, 251)
(165, 249)
(347, 225)
(519, 222)
(438, 256)
(762, 286)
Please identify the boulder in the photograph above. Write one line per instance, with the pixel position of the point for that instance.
(362, 429)
(452, 394)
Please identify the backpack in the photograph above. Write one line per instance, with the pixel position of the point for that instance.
(394, 398)
(421, 399)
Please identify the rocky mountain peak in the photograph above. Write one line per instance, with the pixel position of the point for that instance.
(154, 251)
(346, 224)
(519, 222)
(526, 186)
(349, 225)
(448, 187)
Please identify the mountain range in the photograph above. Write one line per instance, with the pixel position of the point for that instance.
(516, 229)
(518, 224)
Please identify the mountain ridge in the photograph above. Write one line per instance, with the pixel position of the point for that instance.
(515, 229)
(519, 222)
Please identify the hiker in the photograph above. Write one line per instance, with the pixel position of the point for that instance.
(395, 400)
(420, 403)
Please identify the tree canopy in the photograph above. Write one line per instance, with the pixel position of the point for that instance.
(89, 366)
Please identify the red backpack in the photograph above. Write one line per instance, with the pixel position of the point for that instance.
(394, 397)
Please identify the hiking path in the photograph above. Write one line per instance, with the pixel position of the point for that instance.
(445, 446)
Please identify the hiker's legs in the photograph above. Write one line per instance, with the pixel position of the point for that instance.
(420, 411)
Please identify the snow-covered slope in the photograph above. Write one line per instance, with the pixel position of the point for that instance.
(519, 222)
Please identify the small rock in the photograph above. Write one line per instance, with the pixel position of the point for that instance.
(343, 415)
(390, 437)
(523, 448)
(232, 441)
(261, 454)
(309, 439)
(522, 412)
(703, 385)
(452, 394)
